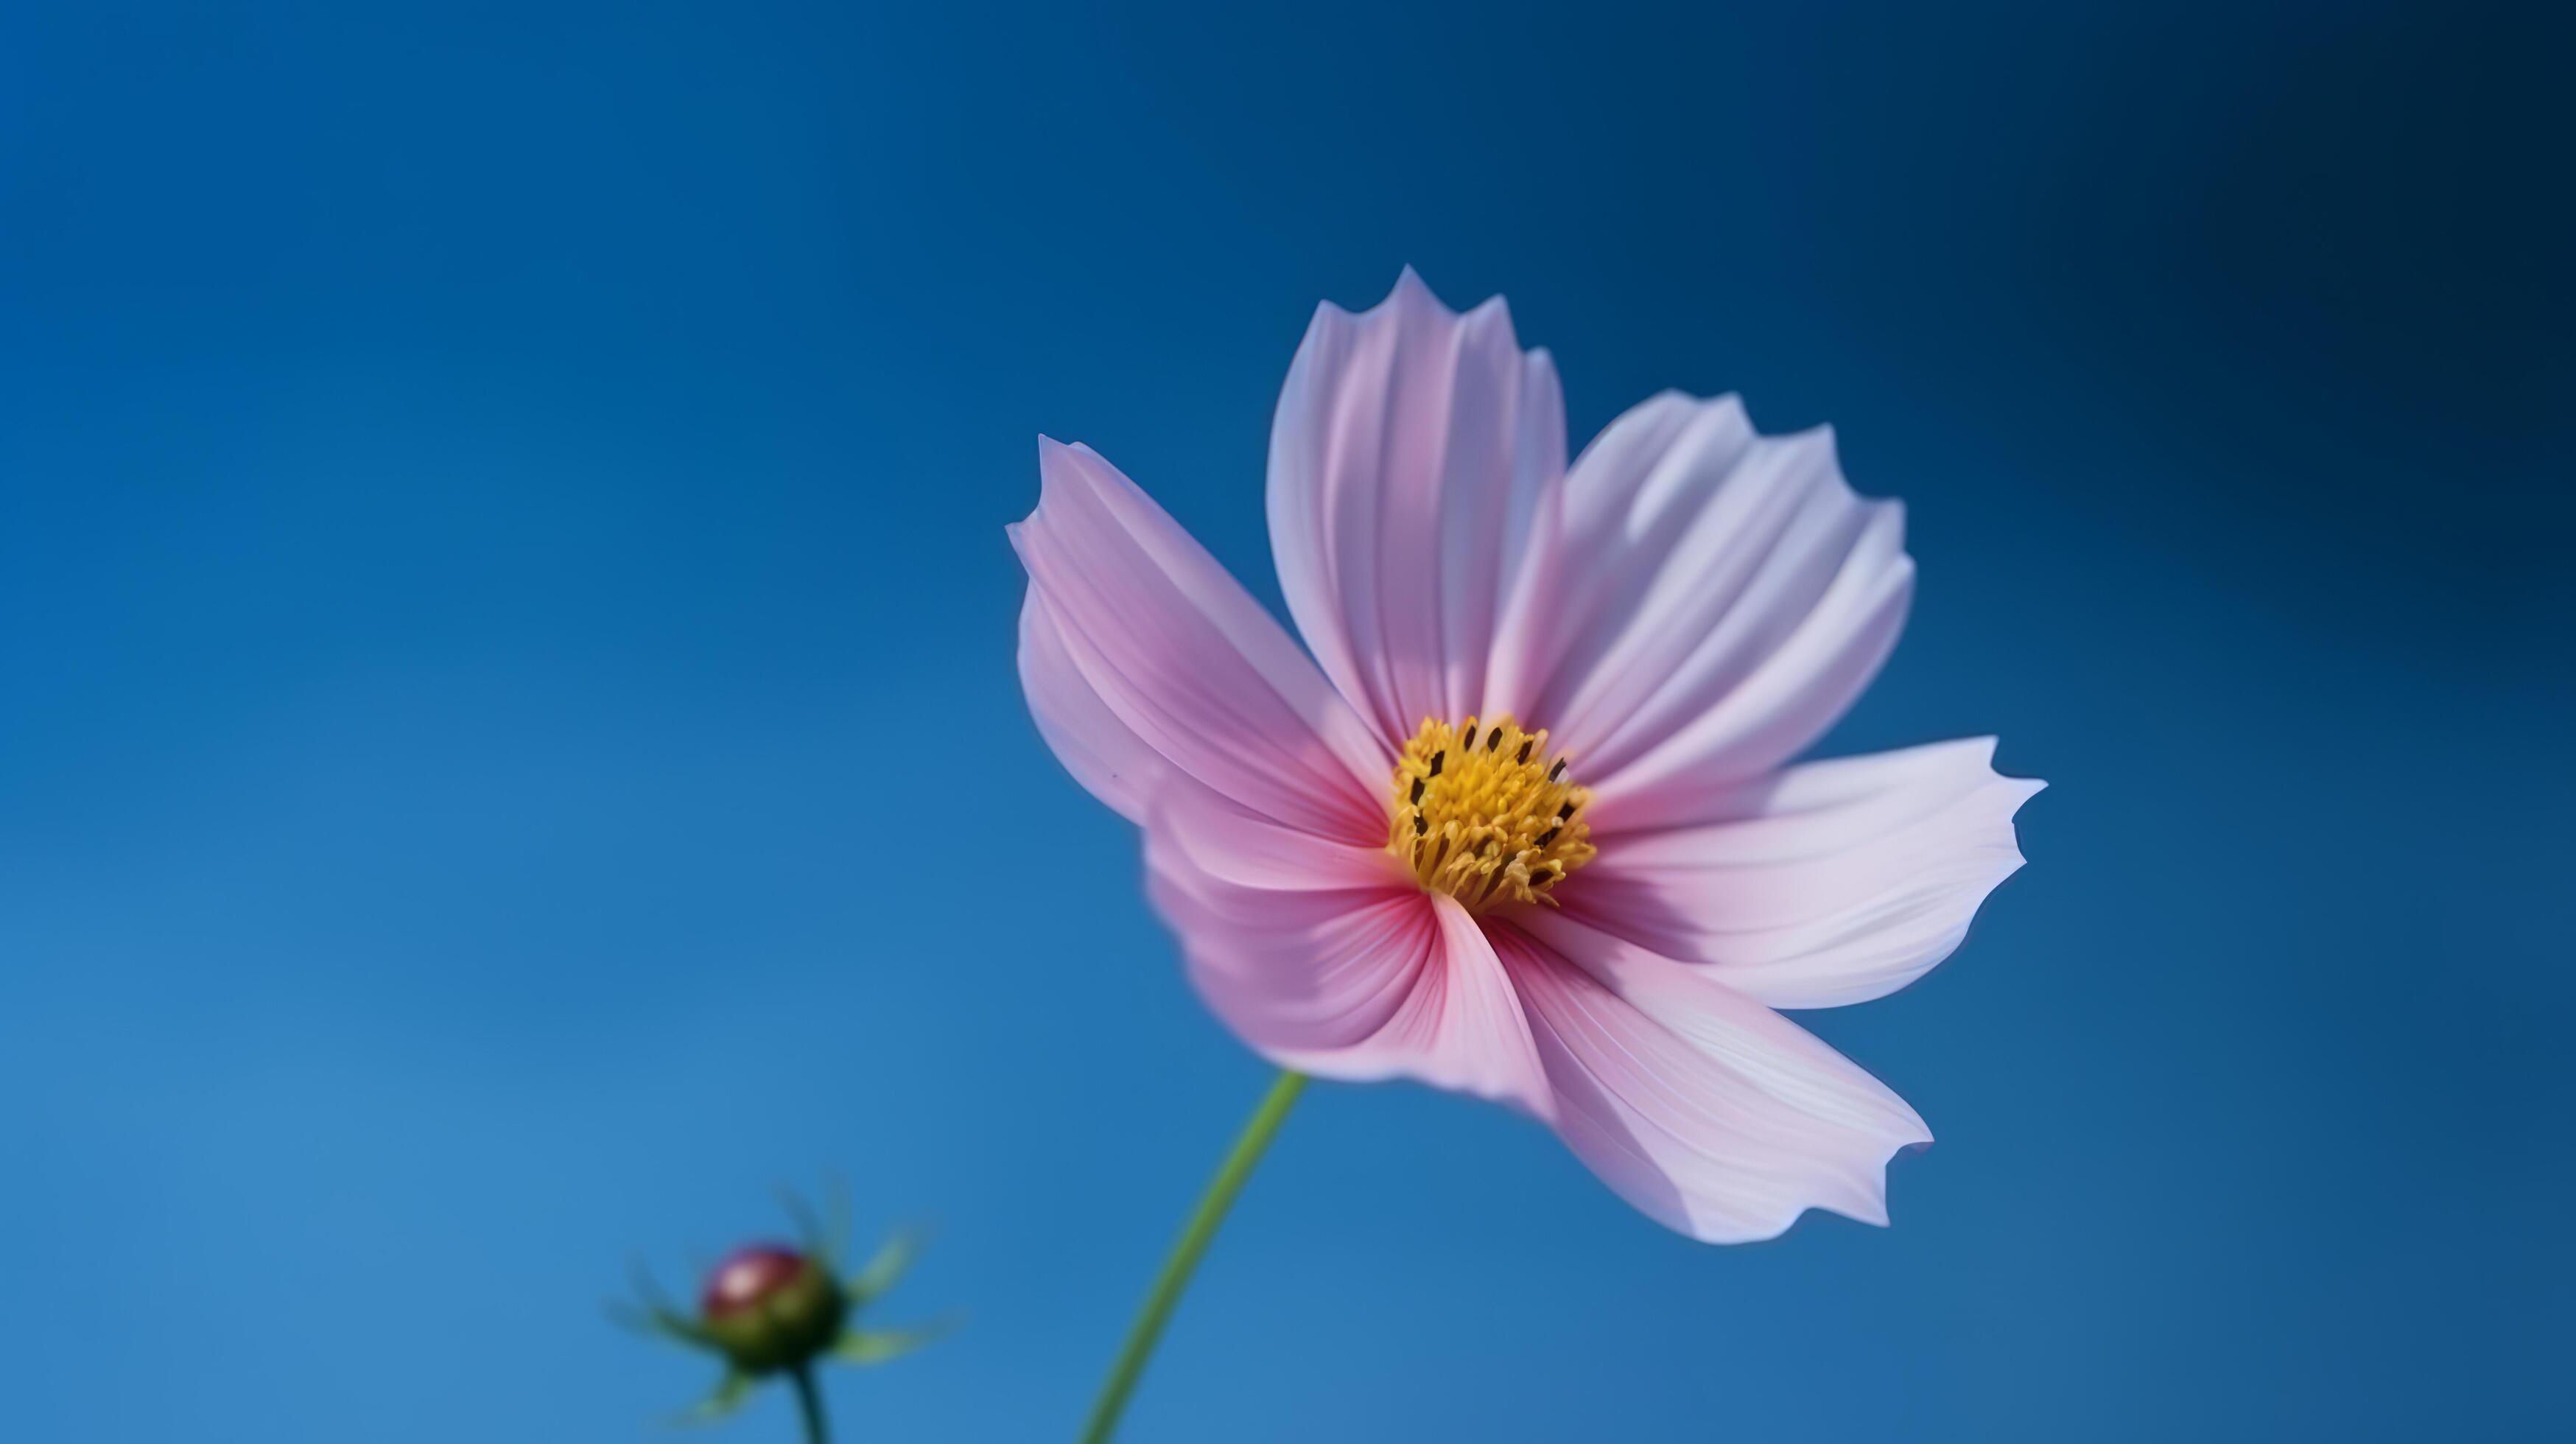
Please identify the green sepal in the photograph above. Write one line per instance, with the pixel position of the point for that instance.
(653, 1318)
(652, 1313)
(864, 1347)
(887, 1269)
(730, 1392)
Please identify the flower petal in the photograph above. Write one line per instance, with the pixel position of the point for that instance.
(1709, 601)
(1110, 761)
(1172, 648)
(1830, 883)
(1326, 958)
(1407, 460)
(1714, 1115)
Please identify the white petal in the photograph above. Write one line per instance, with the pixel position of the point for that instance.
(1407, 460)
(1705, 605)
(1829, 883)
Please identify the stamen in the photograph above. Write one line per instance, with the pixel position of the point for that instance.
(1498, 829)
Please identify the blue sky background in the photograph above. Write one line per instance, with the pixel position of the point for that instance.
(508, 743)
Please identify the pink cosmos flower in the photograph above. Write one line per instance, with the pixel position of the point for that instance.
(1522, 825)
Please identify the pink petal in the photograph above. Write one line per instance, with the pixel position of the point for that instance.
(1407, 460)
(1327, 958)
(1714, 1115)
(1830, 883)
(1101, 752)
(1708, 602)
(1175, 651)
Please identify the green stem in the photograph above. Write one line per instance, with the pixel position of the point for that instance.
(1184, 1260)
(809, 1405)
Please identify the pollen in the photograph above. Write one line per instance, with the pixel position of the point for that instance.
(1484, 813)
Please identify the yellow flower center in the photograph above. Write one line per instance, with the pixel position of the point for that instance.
(1484, 814)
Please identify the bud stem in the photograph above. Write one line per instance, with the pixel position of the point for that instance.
(1184, 1260)
(809, 1405)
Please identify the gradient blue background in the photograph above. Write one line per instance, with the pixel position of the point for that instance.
(508, 743)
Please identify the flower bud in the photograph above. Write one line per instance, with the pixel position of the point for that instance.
(769, 1308)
